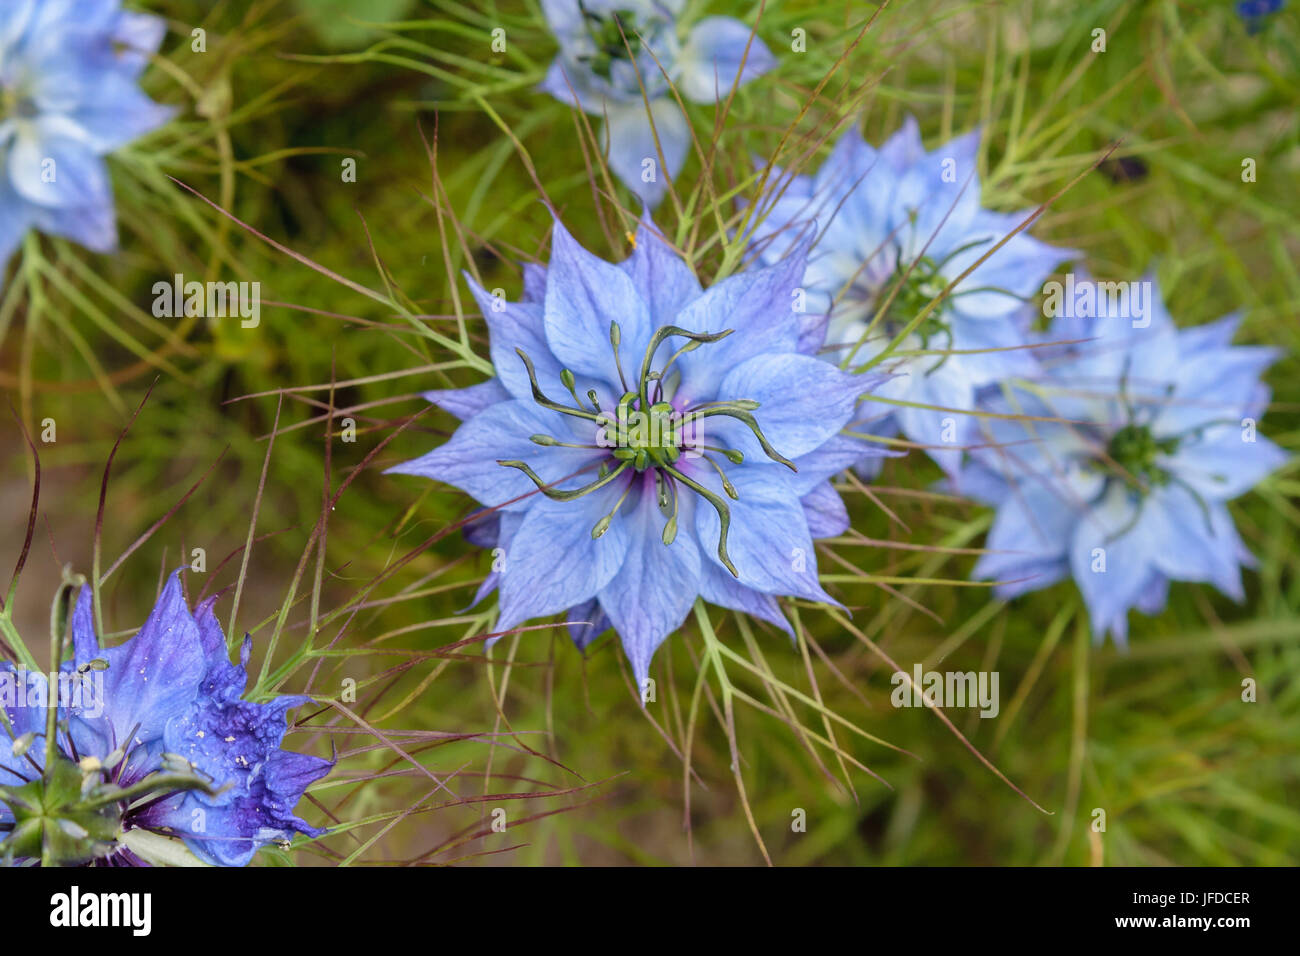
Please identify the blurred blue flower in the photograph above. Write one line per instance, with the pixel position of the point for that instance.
(1254, 12)
(681, 440)
(898, 221)
(618, 55)
(68, 97)
(171, 697)
(1130, 493)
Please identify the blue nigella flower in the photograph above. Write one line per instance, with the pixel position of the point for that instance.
(1254, 12)
(681, 442)
(1130, 493)
(618, 55)
(159, 745)
(898, 221)
(68, 97)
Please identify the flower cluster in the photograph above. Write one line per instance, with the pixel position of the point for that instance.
(1129, 493)
(646, 442)
(621, 59)
(1116, 459)
(155, 746)
(68, 97)
(1110, 457)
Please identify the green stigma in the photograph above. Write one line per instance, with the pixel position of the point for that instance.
(615, 37)
(16, 104)
(645, 432)
(1133, 453)
(53, 824)
(908, 295)
(651, 439)
(72, 813)
(909, 292)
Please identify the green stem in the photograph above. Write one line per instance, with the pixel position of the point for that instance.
(14, 640)
(153, 782)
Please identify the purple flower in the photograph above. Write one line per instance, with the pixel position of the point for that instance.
(163, 729)
(1130, 492)
(898, 221)
(681, 442)
(617, 55)
(68, 97)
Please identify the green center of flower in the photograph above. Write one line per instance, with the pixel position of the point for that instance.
(54, 824)
(894, 304)
(647, 432)
(72, 813)
(15, 104)
(650, 439)
(908, 295)
(8, 102)
(614, 36)
(1134, 452)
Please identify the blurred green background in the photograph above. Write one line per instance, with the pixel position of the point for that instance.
(1158, 738)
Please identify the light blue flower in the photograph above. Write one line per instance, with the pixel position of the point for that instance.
(168, 697)
(1129, 494)
(875, 213)
(596, 72)
(716, 491)
(68, 97)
